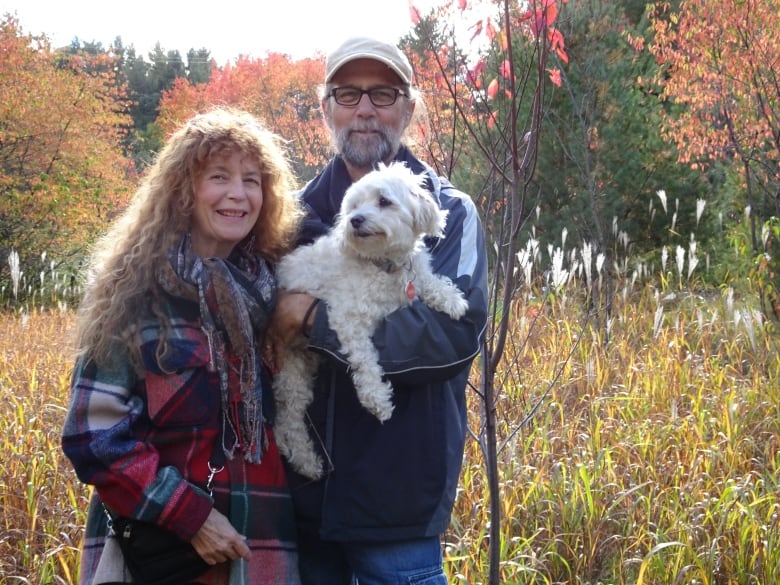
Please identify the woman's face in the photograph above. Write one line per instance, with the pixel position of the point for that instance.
(228, 198)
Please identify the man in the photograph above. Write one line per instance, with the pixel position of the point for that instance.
(378, 514)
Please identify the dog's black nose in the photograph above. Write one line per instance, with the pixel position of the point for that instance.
(357, 221)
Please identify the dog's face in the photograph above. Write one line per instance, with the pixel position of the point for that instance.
(385, 214)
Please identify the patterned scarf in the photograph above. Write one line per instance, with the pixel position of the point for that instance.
(236, 298)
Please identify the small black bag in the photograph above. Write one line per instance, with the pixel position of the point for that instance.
(156, 556)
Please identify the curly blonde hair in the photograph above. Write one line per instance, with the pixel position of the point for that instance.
(122, 274)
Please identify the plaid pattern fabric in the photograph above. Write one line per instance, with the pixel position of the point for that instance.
(145, 442)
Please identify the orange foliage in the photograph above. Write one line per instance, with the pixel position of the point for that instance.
(473, 84)
(492, 89)
(541, 23)
(280, 91)
(555, 76)
(721, 63)
(537, 21)
(440, 138)
(61, 165)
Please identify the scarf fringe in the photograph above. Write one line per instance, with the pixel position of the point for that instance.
(236, 298)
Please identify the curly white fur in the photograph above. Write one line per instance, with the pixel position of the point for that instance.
(371, 263)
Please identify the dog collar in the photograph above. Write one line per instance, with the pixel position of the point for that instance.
(391, 267)
(387, 265)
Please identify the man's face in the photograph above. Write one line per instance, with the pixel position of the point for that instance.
(365, 134)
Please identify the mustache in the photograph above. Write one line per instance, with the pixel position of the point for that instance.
(366, 126)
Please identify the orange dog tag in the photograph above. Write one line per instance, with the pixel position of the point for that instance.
(411, 293)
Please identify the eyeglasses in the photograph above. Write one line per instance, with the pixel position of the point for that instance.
(381, 97)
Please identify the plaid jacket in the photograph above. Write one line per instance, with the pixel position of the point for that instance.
(144, 443)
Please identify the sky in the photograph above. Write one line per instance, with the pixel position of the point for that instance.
(228, 28)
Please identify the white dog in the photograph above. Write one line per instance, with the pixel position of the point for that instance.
(371, 263)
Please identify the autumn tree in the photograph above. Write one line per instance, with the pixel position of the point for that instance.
(497, 79)
(604, 158)
(62, 172)
(280, 91)
(144, 82)
(438, 133)
(721, 76)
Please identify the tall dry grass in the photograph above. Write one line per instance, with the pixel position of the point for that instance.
(42, 504)
(653, 459)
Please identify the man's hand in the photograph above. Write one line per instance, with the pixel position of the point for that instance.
(286, 324)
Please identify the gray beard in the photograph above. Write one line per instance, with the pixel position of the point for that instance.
(365, 153)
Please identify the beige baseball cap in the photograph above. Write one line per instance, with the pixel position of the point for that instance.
(368, 48)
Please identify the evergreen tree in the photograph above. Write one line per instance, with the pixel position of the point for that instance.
(199, 64)
(602, 159)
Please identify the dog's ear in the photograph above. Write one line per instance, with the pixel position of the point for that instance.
(429, 218)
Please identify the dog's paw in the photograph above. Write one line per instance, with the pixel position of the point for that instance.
(294, 443)
(302, 457)
(456, 306)
(310, 469)
(380, 406)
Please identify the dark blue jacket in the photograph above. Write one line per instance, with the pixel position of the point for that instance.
(398, 479)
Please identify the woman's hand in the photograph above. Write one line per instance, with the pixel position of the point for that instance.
(217, 541)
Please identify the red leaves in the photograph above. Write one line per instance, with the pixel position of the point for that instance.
(505, 70)
(556, 44)
(414, 13)
(474, 75)
(490, 30)
(492, 120)
(538, 23)
(542, 20)
(492, 89)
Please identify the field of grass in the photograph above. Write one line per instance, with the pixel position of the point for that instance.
(654, 459)
(43, 504)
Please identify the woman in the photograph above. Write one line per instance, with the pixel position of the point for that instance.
(169, 387)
